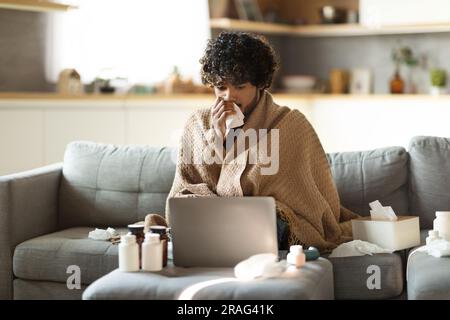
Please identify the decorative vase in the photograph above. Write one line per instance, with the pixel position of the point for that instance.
(397, 85)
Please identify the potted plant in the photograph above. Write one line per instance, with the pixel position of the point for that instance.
(438, 78)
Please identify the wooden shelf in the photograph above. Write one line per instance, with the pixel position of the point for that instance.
(338, 30)
(35, 5)
(240, 25)
(193, 96)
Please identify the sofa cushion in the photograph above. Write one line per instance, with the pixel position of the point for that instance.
(45, 290)
(428, 277)
(351, 275)
(106, 185)
(312, 281)
(429, 172)
(47, 257)
(366, 176)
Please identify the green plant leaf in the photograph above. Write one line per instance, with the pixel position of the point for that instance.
(438, 77)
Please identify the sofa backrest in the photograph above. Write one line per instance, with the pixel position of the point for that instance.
(429, 173)
(366, 176)
(106, 185)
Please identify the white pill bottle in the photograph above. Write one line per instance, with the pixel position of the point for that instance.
(152, 253)
(442, 224)
(128, 253)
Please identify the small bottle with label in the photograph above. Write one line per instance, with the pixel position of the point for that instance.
(152, 253)
(432, 236)
(138, 231)
(162, 231)
(296, 256)
(128, 253)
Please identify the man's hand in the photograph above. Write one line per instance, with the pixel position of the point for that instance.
(219, 112)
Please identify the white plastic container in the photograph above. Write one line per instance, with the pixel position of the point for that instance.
(152, 253)
(442, 224)
(128, 253)
(296, 256)
(394, 235)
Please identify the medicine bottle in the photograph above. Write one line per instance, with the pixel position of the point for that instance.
(442, 224)
(138, 231)
(152, 252)
(128, 253)
(296, 256)
(162, 231)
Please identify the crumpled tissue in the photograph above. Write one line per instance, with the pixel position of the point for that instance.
(235, 120)
(379, 212)
(437, 248)
(357, 248)
(102, 234)
(264, 265)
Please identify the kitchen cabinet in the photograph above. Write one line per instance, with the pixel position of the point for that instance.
(21, 139)
(35, 129)
(35, 132)
(104, 125)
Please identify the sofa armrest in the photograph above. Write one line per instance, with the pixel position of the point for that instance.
(28, 208)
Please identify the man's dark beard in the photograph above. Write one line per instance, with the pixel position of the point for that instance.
(253, 103)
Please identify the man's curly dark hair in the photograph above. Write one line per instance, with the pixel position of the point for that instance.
(238, 57)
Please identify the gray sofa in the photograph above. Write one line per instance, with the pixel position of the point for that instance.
(47, 213)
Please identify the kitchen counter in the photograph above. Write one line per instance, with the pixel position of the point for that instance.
(36, 127)
(135, 97)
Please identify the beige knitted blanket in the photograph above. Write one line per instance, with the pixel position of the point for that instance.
(299, 177)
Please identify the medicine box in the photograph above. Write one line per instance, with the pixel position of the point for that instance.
(394, 235)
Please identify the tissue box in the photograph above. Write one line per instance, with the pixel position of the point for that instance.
(394, 235)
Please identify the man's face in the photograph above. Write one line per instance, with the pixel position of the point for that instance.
(244, 95)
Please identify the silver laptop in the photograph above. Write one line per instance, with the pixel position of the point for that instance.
(222, 231)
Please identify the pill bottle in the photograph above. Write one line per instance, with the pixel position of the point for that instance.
(296, 256)
(152, 252)
(138, 231)
(442, 224)
(128, 253)
(162, 231)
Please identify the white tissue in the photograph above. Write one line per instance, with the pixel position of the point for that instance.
(379, 212)
(357, 248)
(101, 234)
(235, 120)
(263, 265)
(437, 248)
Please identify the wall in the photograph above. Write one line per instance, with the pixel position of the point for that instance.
(22, 51)
(316, 56)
